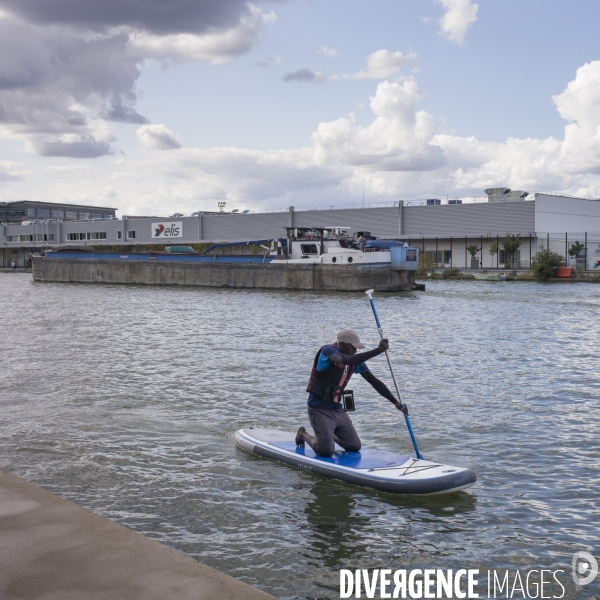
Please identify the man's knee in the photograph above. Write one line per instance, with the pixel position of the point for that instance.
(353, 447)
(324, 449)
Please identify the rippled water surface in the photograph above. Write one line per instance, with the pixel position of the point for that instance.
(126, 400)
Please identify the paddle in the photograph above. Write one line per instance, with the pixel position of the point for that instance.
(412, 435)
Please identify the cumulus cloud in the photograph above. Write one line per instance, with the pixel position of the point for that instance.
(459, 16)
(579, 101)
(305, 75)
(70, 144)
(218, 47)
(399, 154)
(54, 82)
(154, 16)
(383, 64)
(69, 67)
(571, 165)
(329, 52)
(158, 137)
(120, 113)
(398, 139)
(578, 104)
(270, 61)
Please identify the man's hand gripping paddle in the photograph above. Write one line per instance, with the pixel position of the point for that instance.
(412, 435)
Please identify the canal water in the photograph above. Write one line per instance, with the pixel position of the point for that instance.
(126, 400)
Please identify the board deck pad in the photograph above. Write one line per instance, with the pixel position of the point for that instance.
(365, 459)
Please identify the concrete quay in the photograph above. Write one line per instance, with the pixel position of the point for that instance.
(52, 549)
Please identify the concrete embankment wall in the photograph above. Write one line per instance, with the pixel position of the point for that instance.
(54, 549)
(231, 275)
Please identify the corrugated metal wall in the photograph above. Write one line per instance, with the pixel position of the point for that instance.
(487, 219)
(235, 228)
(381, 222)
(429, 221)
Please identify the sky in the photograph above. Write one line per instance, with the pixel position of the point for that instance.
(157, 107)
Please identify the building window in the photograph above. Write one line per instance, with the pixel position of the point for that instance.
(12, 238)
(84, 215)
(31, 212)
(39, 237)
(72, 215)
(96, 215)
(57, 214)
(119, 235)
(43, 213)
(25, 238)
(50, 237)
(94, 235)
(309, 249)
(131, 235)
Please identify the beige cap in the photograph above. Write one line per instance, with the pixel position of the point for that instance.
(350, 337)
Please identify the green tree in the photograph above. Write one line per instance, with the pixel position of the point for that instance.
(575, 249)
(473, 249)
(511, 244)
(545, 263)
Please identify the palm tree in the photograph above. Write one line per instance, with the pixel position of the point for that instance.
(473, 249)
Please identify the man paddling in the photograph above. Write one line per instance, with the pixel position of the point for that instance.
(332, 368)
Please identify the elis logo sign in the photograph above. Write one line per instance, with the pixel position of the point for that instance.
(167, 230)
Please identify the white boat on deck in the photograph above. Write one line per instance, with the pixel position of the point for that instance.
(333, 246)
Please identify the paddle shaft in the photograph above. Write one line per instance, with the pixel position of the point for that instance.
(380, 329)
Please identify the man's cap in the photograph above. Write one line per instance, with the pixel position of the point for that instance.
(350, 337)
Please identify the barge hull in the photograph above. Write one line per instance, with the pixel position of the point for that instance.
(351, 278)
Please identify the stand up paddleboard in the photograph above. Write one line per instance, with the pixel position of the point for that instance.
(384, 471)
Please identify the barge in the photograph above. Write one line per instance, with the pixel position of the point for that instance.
(305, 259)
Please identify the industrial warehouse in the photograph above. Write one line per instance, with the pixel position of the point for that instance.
(460, 233)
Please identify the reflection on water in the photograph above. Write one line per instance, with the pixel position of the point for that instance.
(337, 517)
(126, 400)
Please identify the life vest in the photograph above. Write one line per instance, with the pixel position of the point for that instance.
(329, 383)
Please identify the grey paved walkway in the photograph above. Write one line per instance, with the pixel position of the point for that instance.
(52, 549)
